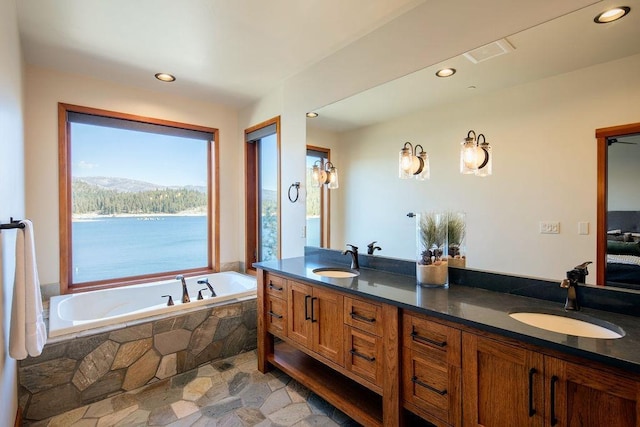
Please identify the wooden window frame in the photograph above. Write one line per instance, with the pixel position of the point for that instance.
(65, 201)
(325, 202)
(251, 188)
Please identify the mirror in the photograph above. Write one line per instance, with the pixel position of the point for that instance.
(538, 105)
(619, 206)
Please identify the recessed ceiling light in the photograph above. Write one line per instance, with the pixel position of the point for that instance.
(164, 77)
(312, 115)
(611, 15)
(446, 72)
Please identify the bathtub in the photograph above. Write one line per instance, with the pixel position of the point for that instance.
(84, 311)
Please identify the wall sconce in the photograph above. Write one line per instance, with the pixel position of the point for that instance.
(475, 156)
(325, 174)
(413, 164)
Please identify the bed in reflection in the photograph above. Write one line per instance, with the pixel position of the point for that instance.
(623, 247)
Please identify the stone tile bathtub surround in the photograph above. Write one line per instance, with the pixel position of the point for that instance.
(228, 392)
(81, 370)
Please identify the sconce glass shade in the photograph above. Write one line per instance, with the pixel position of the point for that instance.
(332, 178)
(405, 163)
(315, 175)
(425, 171)
(485, 167)
(468, 156)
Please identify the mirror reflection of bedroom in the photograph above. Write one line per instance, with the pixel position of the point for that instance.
(623, 211)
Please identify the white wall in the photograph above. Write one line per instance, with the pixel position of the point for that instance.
(11, 192)
(543, 137)
(45, 88)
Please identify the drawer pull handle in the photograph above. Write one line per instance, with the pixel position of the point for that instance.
(313, 316)
(363, 356)
(553, 420)
(271, 286)
(532, 410)
(272, 314)
(356, 316)
(416, 337)
(306, 307)
(415, 380)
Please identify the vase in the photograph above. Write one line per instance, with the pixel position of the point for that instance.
(433, 274)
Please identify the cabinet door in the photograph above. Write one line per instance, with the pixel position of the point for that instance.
(501, 384)
(299, 313)
(326, 321)
(579, 395)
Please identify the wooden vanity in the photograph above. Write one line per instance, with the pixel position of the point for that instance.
(374, 359)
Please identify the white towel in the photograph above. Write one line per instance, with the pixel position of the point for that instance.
(28, 332)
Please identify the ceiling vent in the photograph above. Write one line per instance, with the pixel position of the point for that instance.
(488, 51)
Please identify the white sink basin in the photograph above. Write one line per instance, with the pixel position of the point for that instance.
(584, 326)
(338, 273)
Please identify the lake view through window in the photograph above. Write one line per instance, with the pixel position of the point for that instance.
(139, 199)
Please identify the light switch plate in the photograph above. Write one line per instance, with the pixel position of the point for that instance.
(583, 228)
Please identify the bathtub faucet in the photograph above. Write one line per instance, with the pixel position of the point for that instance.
(205, 281)
(185, 292)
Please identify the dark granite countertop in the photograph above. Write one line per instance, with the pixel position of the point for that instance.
(479, 308)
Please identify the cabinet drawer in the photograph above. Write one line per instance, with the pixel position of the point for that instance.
(436, 340)
(276, 313)
(363, 354)
(276, 286)
(363, 315)
(430, 385)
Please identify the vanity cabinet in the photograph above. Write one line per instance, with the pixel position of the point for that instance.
(431, 370)
(373, 360)
(505, 384)
(344, 348)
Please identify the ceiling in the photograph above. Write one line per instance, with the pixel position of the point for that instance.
(233, 52)
(565, 44)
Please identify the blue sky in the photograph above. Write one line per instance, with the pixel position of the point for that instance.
(158, 159)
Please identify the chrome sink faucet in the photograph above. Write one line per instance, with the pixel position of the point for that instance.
(185, 292)
(355, 265)
(575, 276)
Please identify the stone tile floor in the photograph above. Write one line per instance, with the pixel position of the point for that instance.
(229, 392)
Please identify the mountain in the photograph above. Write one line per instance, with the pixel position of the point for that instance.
(125, 185)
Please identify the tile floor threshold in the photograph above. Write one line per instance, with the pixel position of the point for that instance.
(230, 392)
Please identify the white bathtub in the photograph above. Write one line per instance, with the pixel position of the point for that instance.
(83, 311)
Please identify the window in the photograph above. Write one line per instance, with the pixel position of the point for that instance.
(136, 198)
(317, 201)
(263, 197)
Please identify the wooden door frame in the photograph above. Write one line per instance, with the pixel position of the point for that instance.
(602, 135)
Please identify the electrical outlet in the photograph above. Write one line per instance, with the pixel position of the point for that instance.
(549, 227)
(303, 232)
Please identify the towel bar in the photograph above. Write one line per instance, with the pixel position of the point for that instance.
(12, 224)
